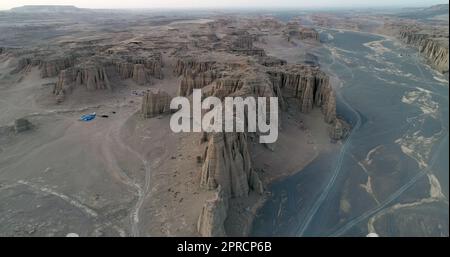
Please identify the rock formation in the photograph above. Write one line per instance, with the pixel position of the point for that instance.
(195, 74)
(25, 63)
(243, 44)
(93, 77)
(227, 163)
(309, 34)
(140, 70)
(433, 47)
(187, 65)
(140, 75)
(51, 68)
(271, 61)
(192, 81)
(155, 103)
(294, 30)
(309, 85)
(339, 130)
(214, 212)
(227, 168)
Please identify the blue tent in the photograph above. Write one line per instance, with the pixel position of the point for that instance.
(88, 117)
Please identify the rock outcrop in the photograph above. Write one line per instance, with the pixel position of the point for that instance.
(228, 170)
(25, 63)
(187, 65)
(227, 163)
(195, 74)
(155, 103)
(294, 30)
(214, 212)
(309, 34)
(93, 77)
(243, 45)
(309, 85)
(433, 47)
(339, 130)
(271, 61)
(192, 81)
(94, 71)
(243, 42)
(140, 70)
(51, 68)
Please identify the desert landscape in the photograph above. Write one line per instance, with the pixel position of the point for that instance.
(86, 147)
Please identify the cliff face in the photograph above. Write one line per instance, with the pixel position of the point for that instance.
(51, 68)
(195, 74)
(434, 49)
(92, 77)
(309, 85)
(192, 81)
(228, 170)
(140, 70)
(243, 44)
(212, 217)
(25, 63)
(94, 72)
(189, 65)
(294, 30)
(309, 34)
(155, 103)
(228, 164)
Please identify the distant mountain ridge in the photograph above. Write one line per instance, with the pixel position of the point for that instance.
(46, 8)
(427, 13)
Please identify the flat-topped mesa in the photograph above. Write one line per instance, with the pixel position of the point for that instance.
(309, 85)
(155, 103)
(433, 47)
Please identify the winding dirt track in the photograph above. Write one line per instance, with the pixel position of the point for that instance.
(113, 140)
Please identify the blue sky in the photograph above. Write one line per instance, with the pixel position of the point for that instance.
(7, 4)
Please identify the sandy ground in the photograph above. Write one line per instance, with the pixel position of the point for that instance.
(94, 178)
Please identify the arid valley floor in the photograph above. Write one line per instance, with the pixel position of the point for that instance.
(363, 134)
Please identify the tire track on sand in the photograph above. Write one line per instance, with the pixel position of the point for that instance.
(114, 140)
(325, 192)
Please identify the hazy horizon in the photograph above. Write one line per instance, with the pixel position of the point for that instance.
(210, 4)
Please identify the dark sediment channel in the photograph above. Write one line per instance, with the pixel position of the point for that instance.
(395, 163)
